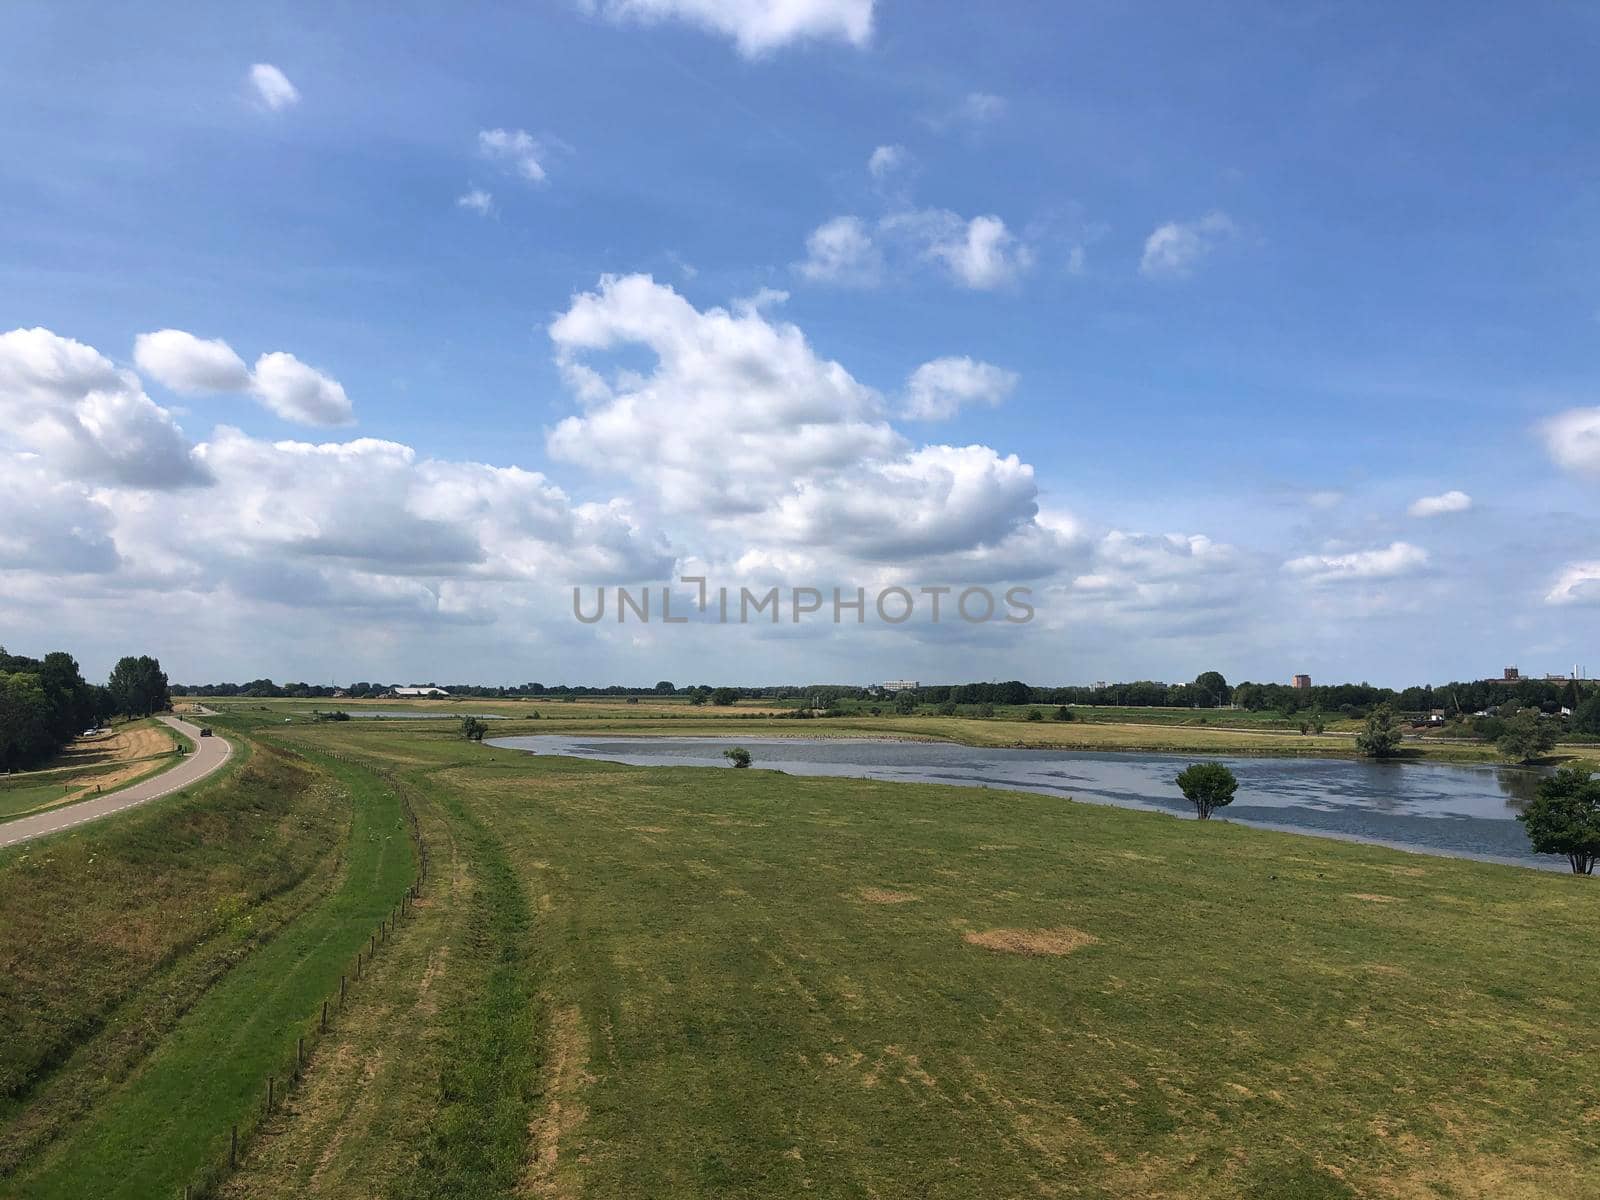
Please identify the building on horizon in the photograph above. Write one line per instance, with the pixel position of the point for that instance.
(899, 685)
(1302, 682)
(412, 692)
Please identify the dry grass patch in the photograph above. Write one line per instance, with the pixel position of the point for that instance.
(874, 895)
(1063, 939)
(1373, 897)
(566, 1074)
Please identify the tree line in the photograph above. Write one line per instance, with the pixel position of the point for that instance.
(46, 702)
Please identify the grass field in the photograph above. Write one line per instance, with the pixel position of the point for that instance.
(664, 983)
(108, 761)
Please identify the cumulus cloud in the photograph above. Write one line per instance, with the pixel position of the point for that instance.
(1438, 506)
(980, 253)
(1174, 250)
(194, 366)
(516, 150)
(934, 500)
(757, 27)
(1396, 559)
(735, 406)
(272, 87)
(85, 418)
(51, 525)
(1573, 440)
(477, 200)
(937, 390)
(298, 392)
(841, 251)
(190, 365)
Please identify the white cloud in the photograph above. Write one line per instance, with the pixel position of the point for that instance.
(272, 87)
(298, 392)
(1573, 439)
(885, 161)
(194, 366)
(841, 251)
(981, 253)
(477, 200)
(1396, 559)
(734, 408)
(937, 390)
(85, 418)
(1435, 506)
(1173, 250)
(757, 27)
(190, 365)
(515, 149)
(934, 500)
(1578, 583)
(51, 525)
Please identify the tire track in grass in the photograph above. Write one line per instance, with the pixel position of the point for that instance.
(478, 1142)
(171, 1119)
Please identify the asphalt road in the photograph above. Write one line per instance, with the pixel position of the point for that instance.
(210, 753)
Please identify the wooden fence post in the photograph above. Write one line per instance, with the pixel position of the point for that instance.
(269, 1094)
(324, 1016)
(233, 1148)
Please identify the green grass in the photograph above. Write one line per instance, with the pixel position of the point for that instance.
(751, 984)
(166, 1120)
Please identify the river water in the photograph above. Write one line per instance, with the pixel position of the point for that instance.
(1435, 808)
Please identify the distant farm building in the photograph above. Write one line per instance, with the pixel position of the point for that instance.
(1302, 682)
(899, 685)
(400, 693)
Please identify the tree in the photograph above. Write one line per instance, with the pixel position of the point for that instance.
(1213, 689)
(1035, 715)
(665, 688)
(1586, 717)
(1381, 737)
(725, 696)
(473, 729)
(1527, 736)
(1064, 713)
(1564, 818)
(905, 703)
(738, 756)
(1207, 786)
(139, 686)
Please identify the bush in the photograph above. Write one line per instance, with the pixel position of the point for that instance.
(1381, 737)
(473, 729)
(1207, 786)
(1035, 715)
(1065, 714)
(738, 756)
(1564, 818)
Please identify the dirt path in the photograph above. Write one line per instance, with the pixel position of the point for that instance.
(210, 753)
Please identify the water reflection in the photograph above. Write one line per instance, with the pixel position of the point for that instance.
(1467, 811)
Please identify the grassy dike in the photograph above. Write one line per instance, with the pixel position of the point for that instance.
(252, 974)
(741, 983)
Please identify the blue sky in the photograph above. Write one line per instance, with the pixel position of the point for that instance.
(1204, 302)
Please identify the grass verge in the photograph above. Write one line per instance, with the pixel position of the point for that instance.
(169, 1120)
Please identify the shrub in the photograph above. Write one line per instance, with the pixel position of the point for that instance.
(1207, 786)
(1064, 714)
(473, 729)
(1035, 715)
(738, 756)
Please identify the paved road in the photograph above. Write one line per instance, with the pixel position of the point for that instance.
(210, 754)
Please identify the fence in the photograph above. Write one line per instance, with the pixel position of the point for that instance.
(281, 1084)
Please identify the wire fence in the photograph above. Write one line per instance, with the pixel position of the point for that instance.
(281, 1084)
